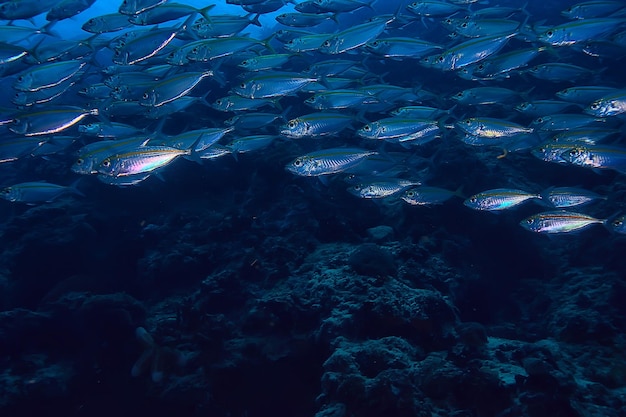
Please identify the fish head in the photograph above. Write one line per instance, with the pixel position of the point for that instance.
(297, 166)
(20, 98)
(8, 9)
(357, 190)
(549, 37)
(149, 98)
(331, 45)
(107, 167)
(294, 128)
(472, 202)
(177, 57)
(19, 126)
(10, 194)
(618, 224)
(532, 223)
(221, 104)
(83, 166)
(368, 131)
(120, 56)
(23, 82)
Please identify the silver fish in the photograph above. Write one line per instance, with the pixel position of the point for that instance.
(559, 222)
(328, 161)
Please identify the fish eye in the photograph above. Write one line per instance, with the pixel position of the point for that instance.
(357, 187)
(145, 96)
(549, 33)
(218, 101)
(542, 150)
(242, 85)
(292, 124)
(106, 163)
(410, 193)
(297, 162)
(194, 50)
(244, 62)
(449, 21)
(459, 94)
(20, 78)
(464, 25)
(539, 120)
(468, 122)
(326, 43)
(529, 221)
(79, 161)
(594, 106)
(367, 128)
(473, 200)
(481, 67)
(440, 58)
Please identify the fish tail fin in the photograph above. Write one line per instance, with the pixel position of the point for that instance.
(73, 187)
(205, 11)
(255, 20)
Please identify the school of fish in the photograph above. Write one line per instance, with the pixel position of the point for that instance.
(373, 96)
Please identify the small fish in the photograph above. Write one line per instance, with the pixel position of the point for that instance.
(138, 161)
(433, 8)
(65, 9)
(316, 125)
(597, 156)
(303, 20)
(559, 71)
(340, 99)
(49, 121)
(560, 221)
(499, 199)
(537, 108)
(609, 105)
(565, 121)
(133, 7)
(172, 88)
(468, 52)
(106, 23)
(563, 197)
(579, 31)
(247, 144)
(401, 47)
(353, 37)
(585, 94)
(491, 128)
(36, 192)
(381, 188)
(428, 196)
(272, 84)
(47, 75)
(328, 161)
(590, 9)
(108, 130)
(618, 224)
(167, 12)
(264, 62)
